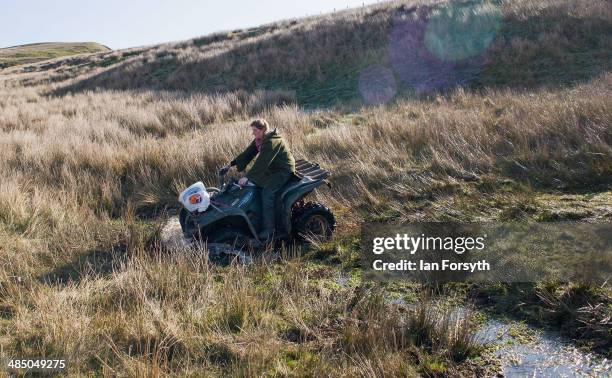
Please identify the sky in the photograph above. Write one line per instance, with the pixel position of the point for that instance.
(131, 23)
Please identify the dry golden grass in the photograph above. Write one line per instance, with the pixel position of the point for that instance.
(82, 174)
(87, 176)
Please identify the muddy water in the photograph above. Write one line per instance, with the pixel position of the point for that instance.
(172, 236)
(173, 240)
(546, 354)
(538, 354)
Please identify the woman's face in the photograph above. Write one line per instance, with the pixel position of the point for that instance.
(257, 133)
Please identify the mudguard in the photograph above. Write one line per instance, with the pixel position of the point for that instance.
(293, 195)
(230, 215)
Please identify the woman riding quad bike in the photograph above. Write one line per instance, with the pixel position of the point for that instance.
(274, 165)
(268, 203)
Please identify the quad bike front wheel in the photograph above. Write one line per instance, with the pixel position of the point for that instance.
(183, 218)
(313, 221)
(227, 245)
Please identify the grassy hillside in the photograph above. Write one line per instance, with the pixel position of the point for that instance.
(37, 52)
(510, 125)
(401, 47)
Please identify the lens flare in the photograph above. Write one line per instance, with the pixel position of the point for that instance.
(376, 85)
(426, 58)
(461, 31)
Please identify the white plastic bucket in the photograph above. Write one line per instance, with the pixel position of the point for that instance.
(195, 198)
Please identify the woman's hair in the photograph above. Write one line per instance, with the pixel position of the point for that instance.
(261, 124)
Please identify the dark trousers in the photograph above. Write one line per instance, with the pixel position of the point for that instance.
(268, 202)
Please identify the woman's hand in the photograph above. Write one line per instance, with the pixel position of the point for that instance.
(243, 181)
(225, 169)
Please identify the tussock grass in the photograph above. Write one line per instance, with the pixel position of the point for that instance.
(83, 174)
(164, 313)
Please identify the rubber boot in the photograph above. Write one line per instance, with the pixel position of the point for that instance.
(268, 225)
(267, 209)
(268, 206)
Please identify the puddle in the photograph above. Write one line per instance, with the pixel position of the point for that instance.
(342, 279)
(538, 354)
(546, 354)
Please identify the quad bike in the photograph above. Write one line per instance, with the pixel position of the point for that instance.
(234, 214)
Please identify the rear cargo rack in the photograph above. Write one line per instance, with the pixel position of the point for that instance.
(311, 170)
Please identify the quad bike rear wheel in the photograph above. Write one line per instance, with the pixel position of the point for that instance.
(313, 221)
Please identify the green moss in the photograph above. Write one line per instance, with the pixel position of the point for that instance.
(433, 366)
(521, 332)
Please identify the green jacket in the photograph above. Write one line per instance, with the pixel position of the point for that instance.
(273, 164)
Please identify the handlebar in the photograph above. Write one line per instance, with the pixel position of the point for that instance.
(222, 172)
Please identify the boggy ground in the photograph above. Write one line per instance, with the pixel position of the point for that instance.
(85, 276)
